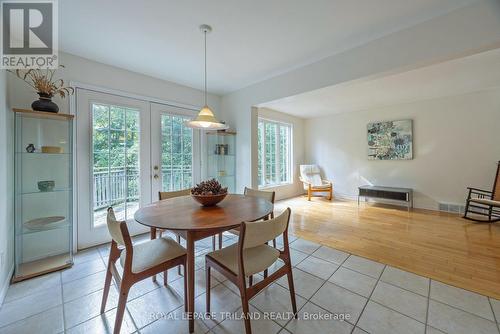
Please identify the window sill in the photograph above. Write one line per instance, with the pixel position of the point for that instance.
(274, 186)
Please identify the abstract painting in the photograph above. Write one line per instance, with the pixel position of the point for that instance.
(390, 140)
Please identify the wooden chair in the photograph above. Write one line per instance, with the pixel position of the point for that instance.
(139, 262)
(252, 255)
(171, 194)
(310, 176)
(484, 203)
(267, 195)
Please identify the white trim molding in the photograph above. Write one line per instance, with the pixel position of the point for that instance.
(6, 284)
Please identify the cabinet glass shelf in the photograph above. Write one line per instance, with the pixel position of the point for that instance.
(43, 219)
(45, 192)
(221, 158)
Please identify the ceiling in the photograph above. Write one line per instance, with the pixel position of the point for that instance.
(252, 40)
(473, 73)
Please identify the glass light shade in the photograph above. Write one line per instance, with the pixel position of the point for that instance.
(206, 120)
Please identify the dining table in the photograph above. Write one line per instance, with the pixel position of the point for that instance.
(192, 221)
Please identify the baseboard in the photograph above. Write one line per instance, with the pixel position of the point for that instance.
(5, 286)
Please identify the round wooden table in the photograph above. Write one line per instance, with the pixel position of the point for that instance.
(187, 218)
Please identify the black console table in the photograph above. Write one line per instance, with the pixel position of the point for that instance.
(395, 194)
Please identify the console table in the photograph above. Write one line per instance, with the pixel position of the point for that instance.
(395, 194)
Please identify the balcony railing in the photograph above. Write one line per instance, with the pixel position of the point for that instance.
(115, 186)
(120, 185)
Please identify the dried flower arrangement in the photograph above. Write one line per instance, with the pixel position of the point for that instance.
(42, 81)
(46, 86)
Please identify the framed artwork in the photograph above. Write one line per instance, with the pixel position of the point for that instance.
(391, 140)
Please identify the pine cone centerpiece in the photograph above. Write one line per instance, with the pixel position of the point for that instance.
(209, 193)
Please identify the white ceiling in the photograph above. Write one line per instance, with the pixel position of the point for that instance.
(473, 73)
(252, 39)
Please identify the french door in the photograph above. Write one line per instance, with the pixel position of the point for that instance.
(175, 150)
(127, 151)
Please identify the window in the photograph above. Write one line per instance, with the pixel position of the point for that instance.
(275, 153)
(176, 153)
(115, 148)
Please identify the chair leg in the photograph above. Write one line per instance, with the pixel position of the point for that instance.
(266, 272)
(466, 208)
(274, 243)
(331, 194)
(107, 284)
(220, 241)
(165, 277)
(179, 242)
(185, 291)
(250, 280)
(122, 301)
(246, 310)
(292, 290)
(309, 193)
(207, 293)
(161, 232)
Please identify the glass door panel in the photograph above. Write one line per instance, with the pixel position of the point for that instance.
(113, 162)
(116, 150)
(175, 148)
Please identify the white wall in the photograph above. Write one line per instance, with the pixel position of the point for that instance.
(6, 188)
(462, 32)
(298, 158)
(455, 145)
(90, 72)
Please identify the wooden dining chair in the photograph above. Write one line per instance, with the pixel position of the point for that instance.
(252, 255)
(267, 195)
(172, 194)
(139, 261)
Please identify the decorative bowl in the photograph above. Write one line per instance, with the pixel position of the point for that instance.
(52, 149)
(45, 186)
(209, 200)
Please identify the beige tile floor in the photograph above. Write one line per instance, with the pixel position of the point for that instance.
(375, 298)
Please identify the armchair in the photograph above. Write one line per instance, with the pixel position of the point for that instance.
(310, 176)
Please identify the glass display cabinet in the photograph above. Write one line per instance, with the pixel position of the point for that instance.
(221, 160)
(43, 193)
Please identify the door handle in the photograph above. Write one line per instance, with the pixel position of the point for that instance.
(156, 176)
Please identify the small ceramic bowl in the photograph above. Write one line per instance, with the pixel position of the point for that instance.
(45, 186)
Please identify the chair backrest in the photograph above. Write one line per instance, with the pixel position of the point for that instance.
(311, 174)
(496, 185)
(116, 228)
(267, 195)
(171, 194)
(258, 233)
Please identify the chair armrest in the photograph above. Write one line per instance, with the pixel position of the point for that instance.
(479, 190)
(327, 181)
(479, 193)
(303, 181)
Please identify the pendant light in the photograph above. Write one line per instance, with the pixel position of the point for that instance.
(205, 118)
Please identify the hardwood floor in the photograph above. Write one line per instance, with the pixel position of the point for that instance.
(438, 245)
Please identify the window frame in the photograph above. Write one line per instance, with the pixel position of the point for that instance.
(261, 161)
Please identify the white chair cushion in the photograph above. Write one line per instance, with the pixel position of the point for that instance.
(323, 186)
(255, 259)
(486, 201)
(151, 253)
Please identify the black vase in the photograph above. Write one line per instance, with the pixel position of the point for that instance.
(44, 103)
